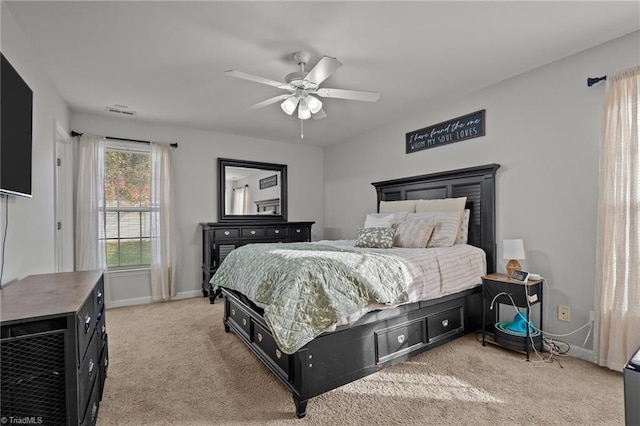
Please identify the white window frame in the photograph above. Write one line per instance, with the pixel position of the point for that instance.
(139, 148)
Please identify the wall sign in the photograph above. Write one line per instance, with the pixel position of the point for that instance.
(457, 129)
(268, 182)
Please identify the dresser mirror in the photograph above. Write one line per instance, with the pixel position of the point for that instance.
(250, 190)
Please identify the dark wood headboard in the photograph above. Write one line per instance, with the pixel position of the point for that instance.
(475, 183)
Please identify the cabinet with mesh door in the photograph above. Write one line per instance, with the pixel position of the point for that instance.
(220, 239)
(53, 349)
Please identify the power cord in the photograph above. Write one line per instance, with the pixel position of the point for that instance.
(552, 344)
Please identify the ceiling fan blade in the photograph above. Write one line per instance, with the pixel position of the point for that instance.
(258, 79)
(268, 102)
(354, 95)
(323, 69)
(319, 115)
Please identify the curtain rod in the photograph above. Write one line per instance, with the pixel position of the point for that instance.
(593, 80)
(74, 133)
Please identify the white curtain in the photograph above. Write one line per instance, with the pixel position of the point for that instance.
(617, 294)
(240, 200)
(90, 251)
(163, 253)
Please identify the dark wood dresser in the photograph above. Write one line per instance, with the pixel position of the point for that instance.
(53, 349)
(219, 239)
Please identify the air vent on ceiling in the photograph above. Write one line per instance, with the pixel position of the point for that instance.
(120, 111)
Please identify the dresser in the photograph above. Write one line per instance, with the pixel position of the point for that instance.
(53, 349)
(219, 239)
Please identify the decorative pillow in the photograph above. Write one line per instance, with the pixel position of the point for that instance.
(380, 221)
(377, 220)
(463, 231)
(446, 231)
(375, 237)
(414, 233)
(441, 205)
(398, 206)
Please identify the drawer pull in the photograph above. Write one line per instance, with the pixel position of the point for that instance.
(91, 365)
(253, 232)
(104, 328)
(226, 232)
(98, 318)
(94, 412)
(445, 323)
(244, 321)
(259, 337)
(233, 311)
(278, 354)
(106, 362)
(298, 231)
(99, 296)
(87, 323)
(277, 231)
(401, 338)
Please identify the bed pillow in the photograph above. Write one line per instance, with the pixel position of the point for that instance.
(374, 220)
(398, 206)
(446, 231)
(378, 221)
(414, 233)
(463, 231)
(441, 205)
(375, 237)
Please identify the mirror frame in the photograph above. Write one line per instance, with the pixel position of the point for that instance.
(228, 162)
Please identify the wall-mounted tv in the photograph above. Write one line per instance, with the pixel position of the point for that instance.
(16, 118)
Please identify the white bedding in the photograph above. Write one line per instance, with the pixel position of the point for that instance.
(433, 272)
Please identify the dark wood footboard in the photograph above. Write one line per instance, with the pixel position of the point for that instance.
(337, 358)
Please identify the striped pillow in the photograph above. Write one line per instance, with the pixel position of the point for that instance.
(463, 232)
(446, 231)
(414, 233)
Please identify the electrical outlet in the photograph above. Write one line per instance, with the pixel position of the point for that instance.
(564, 313)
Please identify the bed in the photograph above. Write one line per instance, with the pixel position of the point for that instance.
(382, 337)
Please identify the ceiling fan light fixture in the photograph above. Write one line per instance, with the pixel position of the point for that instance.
(289, 105)
(303, 110)
(313, 103)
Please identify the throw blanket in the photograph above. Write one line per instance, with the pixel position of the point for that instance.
(305, 288)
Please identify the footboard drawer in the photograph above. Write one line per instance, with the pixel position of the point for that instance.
(445, 323)
(263, 340)
(400, 339)
(239, 317)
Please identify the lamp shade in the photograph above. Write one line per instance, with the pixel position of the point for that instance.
(314, 104)
(303, 110)
(289, 105)
(513, 249)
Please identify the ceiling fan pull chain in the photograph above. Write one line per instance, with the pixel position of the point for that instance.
(301, 129)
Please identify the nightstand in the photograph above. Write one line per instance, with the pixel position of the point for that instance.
(498, 289)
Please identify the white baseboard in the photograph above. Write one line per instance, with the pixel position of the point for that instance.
(585, 354)
(187, 294)
(147, 300)
(128, 302)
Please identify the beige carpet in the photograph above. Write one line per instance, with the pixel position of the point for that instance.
(173, 364)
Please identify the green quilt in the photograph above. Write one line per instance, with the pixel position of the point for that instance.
(305, 288)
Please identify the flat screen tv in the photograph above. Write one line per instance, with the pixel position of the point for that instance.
(16, 117)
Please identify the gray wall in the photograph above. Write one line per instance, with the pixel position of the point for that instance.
(543, 127)
(195, 165)
(30, 240)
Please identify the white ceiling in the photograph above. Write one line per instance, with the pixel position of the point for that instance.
(166, 60)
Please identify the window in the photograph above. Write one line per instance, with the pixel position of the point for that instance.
(128, 207)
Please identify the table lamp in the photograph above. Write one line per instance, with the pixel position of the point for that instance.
(514, 251)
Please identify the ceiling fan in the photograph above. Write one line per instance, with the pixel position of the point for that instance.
(303, 88)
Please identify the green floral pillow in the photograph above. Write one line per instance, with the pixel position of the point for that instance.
(375, 237)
